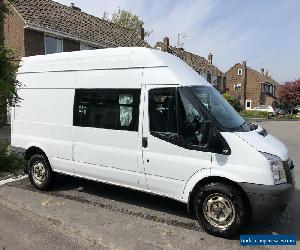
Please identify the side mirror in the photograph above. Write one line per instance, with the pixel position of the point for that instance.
(213, 140)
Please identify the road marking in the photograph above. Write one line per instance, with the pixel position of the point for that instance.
(12, 179)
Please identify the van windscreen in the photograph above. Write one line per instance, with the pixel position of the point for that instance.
(220, 109)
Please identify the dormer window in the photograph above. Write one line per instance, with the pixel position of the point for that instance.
(240, 72)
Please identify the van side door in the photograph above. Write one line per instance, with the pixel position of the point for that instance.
(172, 153)
(105, 135)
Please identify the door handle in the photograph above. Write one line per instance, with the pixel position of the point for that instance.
(145, 142)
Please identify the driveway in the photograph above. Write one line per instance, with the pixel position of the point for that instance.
(80, 214)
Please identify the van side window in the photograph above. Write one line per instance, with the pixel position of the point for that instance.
(107, 108)
(173, 118)
(162, 110)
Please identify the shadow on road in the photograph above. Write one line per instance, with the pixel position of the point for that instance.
(287, 223)
(120, 194)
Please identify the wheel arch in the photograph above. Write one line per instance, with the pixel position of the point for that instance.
(32, 150)
(215, 179)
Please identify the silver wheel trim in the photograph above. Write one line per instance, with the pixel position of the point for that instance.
(38, 173)
(219, 211)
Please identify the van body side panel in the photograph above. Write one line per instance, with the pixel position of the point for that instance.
(97, 149)
(245, 164)
(160, 76)
(114, 78)
(44, 116)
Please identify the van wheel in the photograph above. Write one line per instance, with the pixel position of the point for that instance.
(220, 209)
(40, 172)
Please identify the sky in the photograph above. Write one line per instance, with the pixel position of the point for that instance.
(265, 33)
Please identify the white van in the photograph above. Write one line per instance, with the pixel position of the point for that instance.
(143, 119)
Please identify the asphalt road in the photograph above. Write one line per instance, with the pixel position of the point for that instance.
(81, 214)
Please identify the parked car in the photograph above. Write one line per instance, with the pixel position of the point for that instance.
(266, 108)
(281, 111)
(296, 110)
(143, 119)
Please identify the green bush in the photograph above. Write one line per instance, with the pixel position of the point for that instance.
(254, 114)
(2, 120)
(9, 163)
(289, 116)
(234, 102)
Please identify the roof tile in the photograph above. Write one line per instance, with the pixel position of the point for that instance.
(54, 16)
(197, 62)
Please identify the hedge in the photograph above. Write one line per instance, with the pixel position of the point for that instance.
(254, 114)
(9, 163)
(289, 116)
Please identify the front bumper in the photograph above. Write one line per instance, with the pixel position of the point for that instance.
(270, 200)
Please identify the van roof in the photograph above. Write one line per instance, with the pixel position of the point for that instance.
(111, 58)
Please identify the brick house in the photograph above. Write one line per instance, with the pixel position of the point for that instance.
(203, 66)
(251, 87)
(44, 26)
(39, 27)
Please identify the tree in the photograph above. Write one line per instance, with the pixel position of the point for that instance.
(126, 19)
(289, 95)
(8, 69)
(233, 101)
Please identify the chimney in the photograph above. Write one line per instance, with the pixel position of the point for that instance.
(166, 41)
(210, 58)
(75, 7)
(166, 44)
(142, 30)
(262, 71)
(244, 83)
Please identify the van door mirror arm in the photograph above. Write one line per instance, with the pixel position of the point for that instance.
(214, 141)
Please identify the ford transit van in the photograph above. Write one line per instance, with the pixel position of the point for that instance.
(143, 119)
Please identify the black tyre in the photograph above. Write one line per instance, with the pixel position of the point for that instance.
(40, 172)
(220, 209)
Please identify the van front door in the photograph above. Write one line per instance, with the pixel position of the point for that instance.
(172, 153)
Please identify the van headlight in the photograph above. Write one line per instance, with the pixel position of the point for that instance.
(277, 168)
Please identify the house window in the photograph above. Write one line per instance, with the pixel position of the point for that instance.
(209, 78)
(107, 108)
(248, 104)
(53, 45)
(237, 86)
(214, 80)
(240, 72)
(84, 46)
(268, 89)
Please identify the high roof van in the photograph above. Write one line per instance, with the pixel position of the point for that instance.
(143, 119)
